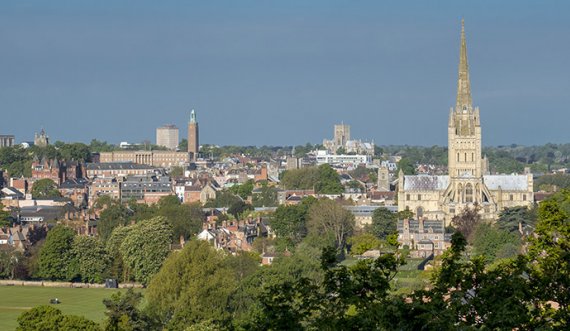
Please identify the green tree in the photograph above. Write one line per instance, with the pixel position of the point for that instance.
(123, 313)
(406, 166)
(183, 145)
(75, 151)
(185, 219)
(194, 285)
(45, 189)
(510, 219)
(549, 252)
(267, 197)
(16, 160)
(223, 199)
(46, 318)
(90, 259)
(145, 247)
(291, 221)
(5, 217)
(238, 207)
(243, 190)
(97, 146)
(466, 295)
(55, 257)
(363, 242)
(467, 221)
(383, 223)
(114, 215)
(328, 217)
(117, 268)
(329, 181)
(176, 171)
(494, 243)
(300, 179)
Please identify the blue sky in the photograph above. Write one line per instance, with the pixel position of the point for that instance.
(282, 72)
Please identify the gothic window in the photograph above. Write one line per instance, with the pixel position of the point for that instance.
(511, 198)
(465, 157)
(407, 197)
(419, 197)
(420, 212)
(468, 193)
(472, 157)
(457, 157)
(524, 197)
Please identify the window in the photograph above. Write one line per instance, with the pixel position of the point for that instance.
(524, 197)
(511, 197)
(419, 197)
(468, 193)
(407, 197)
(419, 212)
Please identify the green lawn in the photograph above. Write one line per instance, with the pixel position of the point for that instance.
(86, 302)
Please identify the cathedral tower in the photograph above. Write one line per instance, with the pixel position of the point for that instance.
(193, 143)
(464, 130)
(468, 182)
(464, 140)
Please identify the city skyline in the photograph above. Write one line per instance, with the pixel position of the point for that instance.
(282, 74)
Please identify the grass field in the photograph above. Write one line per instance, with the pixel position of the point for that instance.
(86, 302)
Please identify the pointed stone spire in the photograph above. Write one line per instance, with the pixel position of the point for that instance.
(463, 84)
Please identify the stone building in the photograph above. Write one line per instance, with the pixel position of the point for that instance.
(117, 169)
(193, 136)
(163, 159)
(423, 237)
(167, 136)
(383, 184)
(41, 139)
(468, 182)
(342, 140)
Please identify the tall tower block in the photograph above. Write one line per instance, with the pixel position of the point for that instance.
(193, 143)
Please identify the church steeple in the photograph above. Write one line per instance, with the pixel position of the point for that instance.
(463, 85)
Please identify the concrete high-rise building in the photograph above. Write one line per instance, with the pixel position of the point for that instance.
(193, 135)
(469, 184)
(167, 136)
(6, 140)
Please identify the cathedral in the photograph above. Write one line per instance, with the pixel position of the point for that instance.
(469, 182)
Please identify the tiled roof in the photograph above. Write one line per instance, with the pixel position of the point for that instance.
(425, 183)
(116, 166)
(506, 182)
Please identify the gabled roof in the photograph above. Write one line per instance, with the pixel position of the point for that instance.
(425, 183)
(506, 182)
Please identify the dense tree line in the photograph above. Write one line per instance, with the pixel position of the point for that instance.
(323, 179)
(306, 288)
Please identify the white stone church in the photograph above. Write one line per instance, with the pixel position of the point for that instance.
(469, 181)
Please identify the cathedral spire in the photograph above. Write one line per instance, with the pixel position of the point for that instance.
(463, 84)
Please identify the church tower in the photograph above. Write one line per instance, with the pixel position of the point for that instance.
(464, 140)
(468, 183)
(193, 143)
